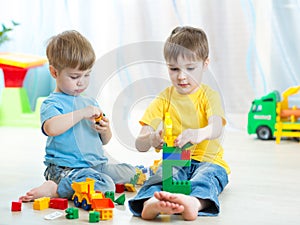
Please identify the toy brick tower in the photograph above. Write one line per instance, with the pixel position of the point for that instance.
(174, 156)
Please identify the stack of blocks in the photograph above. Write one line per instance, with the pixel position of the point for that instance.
(174, 156)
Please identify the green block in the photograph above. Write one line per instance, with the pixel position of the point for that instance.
(167, 149)
(120, 200)
(169, 184)
(110, 194)
(72, 213)
(94, 216)
(183, 187)
(134, 180)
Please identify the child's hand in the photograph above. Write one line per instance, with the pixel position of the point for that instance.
(189, 136)
(91, 112)
(156, 140)
(103, 125)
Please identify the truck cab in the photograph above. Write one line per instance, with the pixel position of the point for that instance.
(262, 116)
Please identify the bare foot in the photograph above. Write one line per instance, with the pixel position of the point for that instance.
(153, 207)
(47, 189)
(192, 205)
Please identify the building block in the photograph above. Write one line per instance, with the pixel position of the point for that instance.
(169, 184)
(41, 203)
(142, 168)
(94, 216)
(185, 155)
(154, 167)
(142, 179)
(72, 213)
(16, 206)
(106, 214)
(120, 188)
(120, 200)
(168, 126)
(171, 149)
(110, 194)
(174, 156)
(130, 187)
(134, 179)
(98, 119)
(58, 203)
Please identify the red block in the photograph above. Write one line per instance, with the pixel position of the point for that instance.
(120, 188)
(16, 206)
(58, 203)
(186, 155)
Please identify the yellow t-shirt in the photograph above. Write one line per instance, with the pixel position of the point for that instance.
(189, 112)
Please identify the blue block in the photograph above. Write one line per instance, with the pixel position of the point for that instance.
(171, 156)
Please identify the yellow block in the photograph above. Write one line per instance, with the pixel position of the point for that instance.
(106, 214)
(41, 203)
(130, 187)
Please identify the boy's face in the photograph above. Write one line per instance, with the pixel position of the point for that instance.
(186, 75)
(71, 81)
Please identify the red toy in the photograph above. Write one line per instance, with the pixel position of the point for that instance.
(120, 188)
(16, 206)
(58, 203)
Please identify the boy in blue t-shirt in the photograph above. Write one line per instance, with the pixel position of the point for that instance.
(74, 148)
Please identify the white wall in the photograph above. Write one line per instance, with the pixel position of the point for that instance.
(254, 44)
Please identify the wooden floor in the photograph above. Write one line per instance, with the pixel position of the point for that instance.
(264, 185)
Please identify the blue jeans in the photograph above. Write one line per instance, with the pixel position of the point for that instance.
(207, 182)
(105, 175)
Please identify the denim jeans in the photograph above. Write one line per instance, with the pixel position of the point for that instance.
(207, 182)
(105, 175)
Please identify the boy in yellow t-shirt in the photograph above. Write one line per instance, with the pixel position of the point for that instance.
(198, 118)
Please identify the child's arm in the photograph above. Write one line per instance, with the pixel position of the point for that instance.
(148, 138)
(61, 123)
(103, 128)
(212, 131)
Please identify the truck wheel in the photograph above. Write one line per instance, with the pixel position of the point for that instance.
(264, 133)
(85, 205)
(76, 202)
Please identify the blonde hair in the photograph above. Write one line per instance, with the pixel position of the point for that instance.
(187, 42)
(70, 49)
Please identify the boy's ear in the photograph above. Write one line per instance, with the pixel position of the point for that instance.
(53, 71)
(206, 62)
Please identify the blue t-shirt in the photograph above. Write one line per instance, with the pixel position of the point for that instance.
(78, 147)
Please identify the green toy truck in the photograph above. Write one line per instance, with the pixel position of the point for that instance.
(262, 116)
